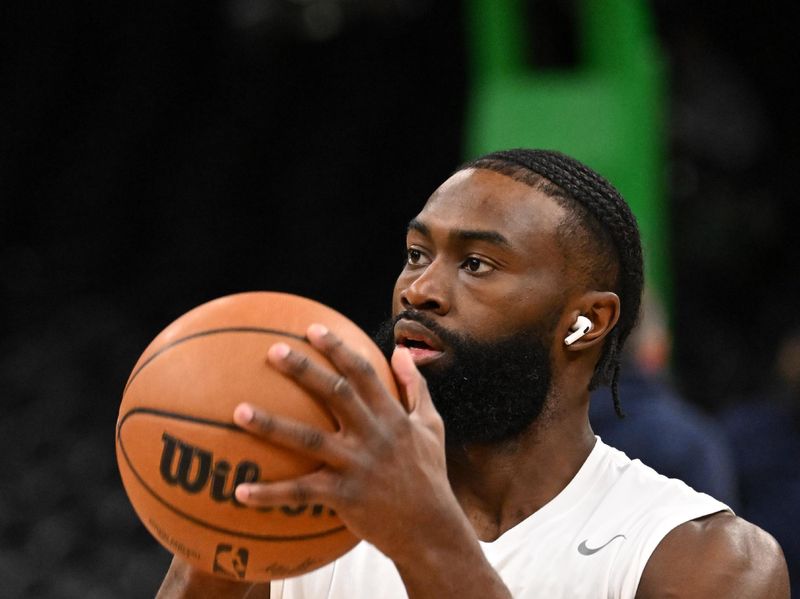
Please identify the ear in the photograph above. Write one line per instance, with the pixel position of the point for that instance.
(602, 309)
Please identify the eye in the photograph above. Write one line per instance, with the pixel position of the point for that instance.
(476, 266)
(416, 257)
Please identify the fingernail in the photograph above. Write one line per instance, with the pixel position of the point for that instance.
(319, 330)
(279, 350)
(243, 414)
(403, 351)
(242, 492)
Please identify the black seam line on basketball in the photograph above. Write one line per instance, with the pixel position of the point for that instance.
(190, 518)
(259, 330)
(178, 416)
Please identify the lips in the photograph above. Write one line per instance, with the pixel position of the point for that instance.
(423, 345)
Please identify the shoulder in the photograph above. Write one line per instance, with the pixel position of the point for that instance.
(719, 555)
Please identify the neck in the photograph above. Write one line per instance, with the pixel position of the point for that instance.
(500, 485)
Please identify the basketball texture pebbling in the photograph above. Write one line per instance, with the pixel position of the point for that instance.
(180, 456)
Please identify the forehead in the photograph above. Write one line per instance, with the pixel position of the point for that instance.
(483, 200)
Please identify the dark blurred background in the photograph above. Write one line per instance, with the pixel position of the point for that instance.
(157, 155)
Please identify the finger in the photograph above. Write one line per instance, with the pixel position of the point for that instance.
(359, 371)
(310, 488)
(307, 440)
(331, 387)
(411, 381)
(414, 387)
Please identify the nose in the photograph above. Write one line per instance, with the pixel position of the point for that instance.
(425, 291)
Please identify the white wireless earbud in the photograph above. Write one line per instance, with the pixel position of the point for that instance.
(582, 326)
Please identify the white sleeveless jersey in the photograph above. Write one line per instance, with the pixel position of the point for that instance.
(592, 540)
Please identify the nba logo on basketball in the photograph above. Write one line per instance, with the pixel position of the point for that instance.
(230, 561)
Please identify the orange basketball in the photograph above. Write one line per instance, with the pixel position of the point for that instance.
(180, 455)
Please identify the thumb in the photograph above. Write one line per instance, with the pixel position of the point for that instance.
(412, 383)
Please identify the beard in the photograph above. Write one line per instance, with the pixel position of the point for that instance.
(486, 392)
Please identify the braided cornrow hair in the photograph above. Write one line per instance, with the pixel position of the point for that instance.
(607, 235)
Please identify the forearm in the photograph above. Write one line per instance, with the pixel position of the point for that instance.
(184, 582)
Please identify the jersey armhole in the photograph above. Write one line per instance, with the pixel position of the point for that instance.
(640, 554)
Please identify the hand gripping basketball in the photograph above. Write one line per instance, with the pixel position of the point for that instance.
(384, 469)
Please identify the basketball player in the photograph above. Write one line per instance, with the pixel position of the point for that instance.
(523, 280)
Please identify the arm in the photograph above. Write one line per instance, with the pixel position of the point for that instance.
(184, 582)
(716, 556)
(384, 470)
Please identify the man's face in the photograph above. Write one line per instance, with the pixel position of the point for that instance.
(480, 297)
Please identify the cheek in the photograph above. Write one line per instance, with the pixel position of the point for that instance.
(500, 296)
(492, 315)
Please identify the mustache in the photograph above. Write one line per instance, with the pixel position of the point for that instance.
(446, 336)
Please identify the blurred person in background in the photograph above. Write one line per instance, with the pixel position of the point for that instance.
(661, 427)
(765, 433)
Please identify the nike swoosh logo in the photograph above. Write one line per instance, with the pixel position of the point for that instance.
(584, 550)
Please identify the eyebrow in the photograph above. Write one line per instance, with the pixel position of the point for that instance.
(463, 234)
(420, 227)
